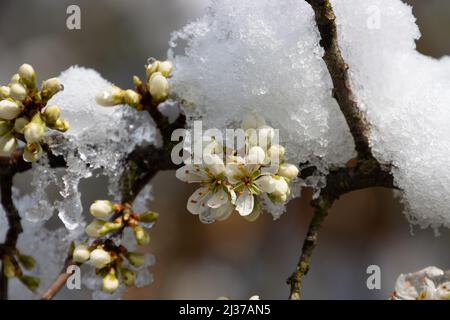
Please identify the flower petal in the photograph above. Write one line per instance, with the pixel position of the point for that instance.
(245, 202)
(197, 201)
(219, 198)
(191, 173)
(223, 212)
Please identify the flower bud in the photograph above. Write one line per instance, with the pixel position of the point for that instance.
(165, 68)
(158, 86)
(81, 253)
(101, 209)
(35, 130)
(256, 155)
(111, 97)
(27, 262)
(51, 87)
(281, 186)
(4, 92)
(252, 121)
(8, 144)
(266, 184)
(136, 259)
(9, 110)
(32, 283)
(95, 229)
(61, 125)
(288, 170)
(110, 283)
(152, 68)
(9, 270)
(20, 123)
(100, 258)
(132, 98)
(148, 217)
(28, 76)
(52, 114)
(276, 153)
(141, 235)
(14, 79)
(18, 92)
(128, 277)
(5, 127)
(137, 81)
(32, 152)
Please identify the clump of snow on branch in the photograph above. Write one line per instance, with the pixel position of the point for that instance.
(406, 98)
(97, 143)
(264, 56)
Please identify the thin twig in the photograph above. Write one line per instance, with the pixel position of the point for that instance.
(14, 229)
(321, 206)
(59, 282)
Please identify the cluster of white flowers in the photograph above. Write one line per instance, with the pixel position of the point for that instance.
(115, 263)
(156, 85)
(230, 181)
(430, 283)
(24, 116)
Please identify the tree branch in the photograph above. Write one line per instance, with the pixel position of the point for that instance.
(14, 229)
(338, 69)
(368, 172)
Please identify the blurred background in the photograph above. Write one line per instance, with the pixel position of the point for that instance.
(233, 258)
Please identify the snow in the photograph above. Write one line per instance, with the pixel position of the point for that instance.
(97, 143)
(405, 95)
(264, 56)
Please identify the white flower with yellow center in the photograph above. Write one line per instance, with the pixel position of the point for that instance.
(214, 193)
(248, 181)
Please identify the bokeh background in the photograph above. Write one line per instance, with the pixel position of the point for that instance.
(234, 258)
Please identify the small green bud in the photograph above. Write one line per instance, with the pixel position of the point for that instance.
(14, 79)
(27, 75)
(141, 235)
(81, 253)
(9, 270)
(50, 87)
(128, 277)
(18, 92)
(158, 86)
(9, 109)
(152, 68)
(136, 259)
(110, 283)
(5, 127)
(4, 92)
(165, 68)
(111, 97)
(35, 130)
(132, 98)
(137, 81)
(94, 229)
(8, 144)
(148, 217)
(101, 209)
(30, 282)
(100, 258)
(27, 262)
(20, 124)
(61, 125)
(52, 114)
